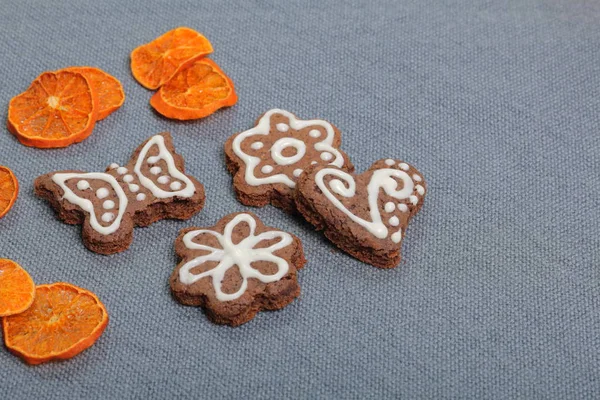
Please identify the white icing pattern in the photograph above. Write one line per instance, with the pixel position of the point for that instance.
(107, 217)
(86, 205)
(102, 193)
(229, 255)
(344, 185)
(329, 153)
(83, 183)
(188, 189)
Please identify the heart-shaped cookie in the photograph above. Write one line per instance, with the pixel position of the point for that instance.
(365, 215)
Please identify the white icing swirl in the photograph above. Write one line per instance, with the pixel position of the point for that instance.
(345, 186)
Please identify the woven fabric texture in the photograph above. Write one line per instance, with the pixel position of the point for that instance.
(495, 102)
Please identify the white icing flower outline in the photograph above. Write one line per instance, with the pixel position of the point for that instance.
(242, 254)
(263, 128)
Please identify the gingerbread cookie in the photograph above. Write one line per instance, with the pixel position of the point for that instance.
(365, 215)
(267, 160)
(152, 186)
(236, 268)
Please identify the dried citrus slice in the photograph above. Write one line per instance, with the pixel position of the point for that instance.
(57, 110)
(63, 321)
(16, 288)
(108, 89)
(9, 190)
(195, 92)
(154, 63)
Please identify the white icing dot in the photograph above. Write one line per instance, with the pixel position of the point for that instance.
(420, 189)
(267, 169)
(163, 179)
(175, 185)
(133, 187)
(414, 199)
(107, 217)
(314, 133)
(153, 159)
(404, 166)
(403, 207)
(155, 170)
(101, 193)
(128, 178)
(140, 197)
(325, 156)
(121, 170)
(394, 221)
(390, 162)
(113, 166)
(108, 205)
(397, 236)
(417, 178)
(313, 163)
(83, 185)
(389, 207)
(256, 145)
(297, 172)
(282, 127)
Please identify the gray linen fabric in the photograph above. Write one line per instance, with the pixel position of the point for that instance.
(497, 103)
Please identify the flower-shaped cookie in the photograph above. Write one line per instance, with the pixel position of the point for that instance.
(267, 160)
(237, 268)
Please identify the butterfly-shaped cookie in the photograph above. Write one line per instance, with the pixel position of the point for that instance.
(150, 187)
(237, 268)
(365, 215)
(267, 159)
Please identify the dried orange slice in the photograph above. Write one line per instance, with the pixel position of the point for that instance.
(154, 63)
(195, 92)
(9, 190)
(58, 109)
(108, 89)
(63, 321)
(16, 288)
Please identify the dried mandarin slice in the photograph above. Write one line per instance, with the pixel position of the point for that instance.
(58, 109)
(9, 190)
(154, 63)
(16, 288)
(195, 92)
(63, 321)
(107, 88)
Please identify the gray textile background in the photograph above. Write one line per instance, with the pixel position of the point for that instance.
(497, 103)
